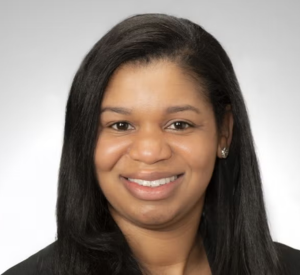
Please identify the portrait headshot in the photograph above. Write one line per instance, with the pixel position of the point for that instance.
(150, 138)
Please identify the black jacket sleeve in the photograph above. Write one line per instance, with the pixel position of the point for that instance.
(290, 258)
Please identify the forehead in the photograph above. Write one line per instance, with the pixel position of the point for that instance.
(160, 82)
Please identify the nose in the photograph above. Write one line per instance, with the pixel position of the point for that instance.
(149, 146)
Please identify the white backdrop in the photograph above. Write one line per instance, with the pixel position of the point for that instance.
(42, 45)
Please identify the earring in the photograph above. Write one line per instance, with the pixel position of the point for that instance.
(225, 152)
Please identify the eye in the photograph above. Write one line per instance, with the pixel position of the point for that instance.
(121, 126)
(180, 125)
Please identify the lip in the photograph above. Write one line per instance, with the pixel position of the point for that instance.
(152, 193)
(150, 176)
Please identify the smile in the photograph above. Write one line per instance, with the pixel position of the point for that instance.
(154, 183)
(152, 187)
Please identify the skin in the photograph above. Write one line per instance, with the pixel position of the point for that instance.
(161, 233)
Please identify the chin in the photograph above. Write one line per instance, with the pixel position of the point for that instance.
(156, 219)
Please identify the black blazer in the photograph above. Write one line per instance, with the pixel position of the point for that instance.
(36, 264)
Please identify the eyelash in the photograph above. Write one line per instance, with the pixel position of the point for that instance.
(126, 123)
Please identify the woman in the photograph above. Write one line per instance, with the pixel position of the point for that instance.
(158, 172)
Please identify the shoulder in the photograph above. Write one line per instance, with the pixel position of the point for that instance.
(37, 264)
(290, 257)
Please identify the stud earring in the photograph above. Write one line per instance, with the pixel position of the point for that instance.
(224, 152)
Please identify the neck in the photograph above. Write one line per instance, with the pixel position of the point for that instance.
(174, 250)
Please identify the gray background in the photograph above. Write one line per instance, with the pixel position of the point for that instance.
(42, 44)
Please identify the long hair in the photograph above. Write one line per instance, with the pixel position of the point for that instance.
(234, 225)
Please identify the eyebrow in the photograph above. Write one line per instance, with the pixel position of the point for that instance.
(169, 110)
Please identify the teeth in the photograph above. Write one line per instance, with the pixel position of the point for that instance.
(154, 183)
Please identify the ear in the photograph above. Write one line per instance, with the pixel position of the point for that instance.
(225, 135)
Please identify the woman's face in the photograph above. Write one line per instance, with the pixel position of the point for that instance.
(156, 127)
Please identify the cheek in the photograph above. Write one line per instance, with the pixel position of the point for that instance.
(108, 152)
(199, 154)
(203, 157)
(198, 150)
